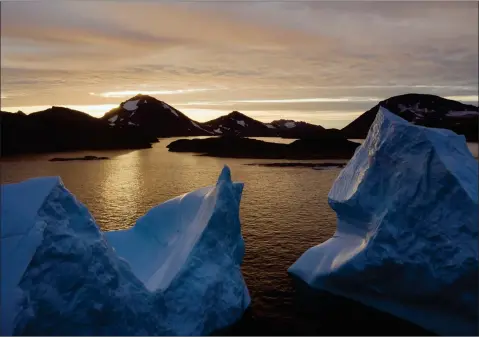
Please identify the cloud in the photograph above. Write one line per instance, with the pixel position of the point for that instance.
(94, 110)
(57, 53)
(129, 93)
(465, 99)
(290, 100)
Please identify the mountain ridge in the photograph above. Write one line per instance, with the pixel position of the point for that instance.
(60, 129)
(422, 109)
(141, 120)
(155, 117)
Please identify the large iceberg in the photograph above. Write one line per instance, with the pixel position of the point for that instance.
(407, 231)
(176, 272)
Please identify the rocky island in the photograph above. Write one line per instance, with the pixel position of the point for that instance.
(239, 147)
(78, 158)
(314, 166)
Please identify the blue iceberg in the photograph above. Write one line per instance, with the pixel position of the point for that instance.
(176, 272)
(406, 241)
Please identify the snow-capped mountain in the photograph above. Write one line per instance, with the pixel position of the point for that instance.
(237, 124)
(422, 109)
(153, 117)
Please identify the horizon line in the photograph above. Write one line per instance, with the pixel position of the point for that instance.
(99, 110)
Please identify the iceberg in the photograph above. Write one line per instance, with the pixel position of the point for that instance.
(406, 240)
(175, 272)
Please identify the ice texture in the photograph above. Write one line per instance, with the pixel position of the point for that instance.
(406, 240)
(175, 272)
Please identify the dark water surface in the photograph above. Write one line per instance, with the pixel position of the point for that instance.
(284, 211)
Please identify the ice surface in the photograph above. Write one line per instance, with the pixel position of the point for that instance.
(131, 105)
(407, 228)
(21, 234)
(176, 272)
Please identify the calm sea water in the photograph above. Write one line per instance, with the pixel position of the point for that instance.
(284, 211)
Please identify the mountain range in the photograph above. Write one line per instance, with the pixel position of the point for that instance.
(141, 120)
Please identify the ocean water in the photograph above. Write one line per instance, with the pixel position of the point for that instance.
(284, 211)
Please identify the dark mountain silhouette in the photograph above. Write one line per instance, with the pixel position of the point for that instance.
(140, 120)
(238, 124)
(239, 147)
(153, 117)
(292, 129)
(60, 129)
(422, 109)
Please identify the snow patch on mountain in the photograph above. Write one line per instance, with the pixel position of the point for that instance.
(270, 126)
(199, 127)
(421, 113)
(290, 125)
(242, 123)
(218, 131)
(402, 108)
(166, 106)
(131, 105)
(113, 119)
(462, 113)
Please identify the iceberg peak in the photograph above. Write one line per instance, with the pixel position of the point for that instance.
(406, 237)
(225, 175)
(175, 272)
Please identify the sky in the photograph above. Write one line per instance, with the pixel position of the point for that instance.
(316, 61)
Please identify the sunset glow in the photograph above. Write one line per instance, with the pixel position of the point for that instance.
(130, 93)
(321, 62)
(94, 110)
